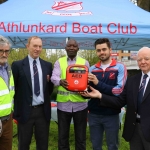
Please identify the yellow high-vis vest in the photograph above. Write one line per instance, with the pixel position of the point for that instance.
(6, 96)
(64, 95)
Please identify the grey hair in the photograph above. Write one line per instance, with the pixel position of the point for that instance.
(143, 48)
(4, 41)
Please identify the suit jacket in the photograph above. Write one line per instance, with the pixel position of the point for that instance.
(129, 96)
(23, 89)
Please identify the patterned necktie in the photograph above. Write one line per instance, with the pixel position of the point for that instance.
(36, 79)
(141, 92)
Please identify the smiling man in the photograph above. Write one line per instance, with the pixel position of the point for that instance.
(70, 104)
(136, 95)
(6, 96)
(32, 98)
(107, 76)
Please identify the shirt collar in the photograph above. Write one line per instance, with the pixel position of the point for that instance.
(31, 60)
(147, 74)
(4, 67)
(113, 63)
(74, 59)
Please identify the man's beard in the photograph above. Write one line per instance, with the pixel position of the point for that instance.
(3, 60)
(104, 59)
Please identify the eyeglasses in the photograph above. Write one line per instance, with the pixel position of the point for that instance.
(6, 52)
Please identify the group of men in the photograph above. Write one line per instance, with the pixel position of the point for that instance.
(25, 95)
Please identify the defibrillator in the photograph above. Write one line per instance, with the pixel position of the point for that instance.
(77, 77)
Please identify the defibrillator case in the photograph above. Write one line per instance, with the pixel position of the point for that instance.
(77, 77)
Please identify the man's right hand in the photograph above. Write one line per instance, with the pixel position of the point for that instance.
(93, 94)
(64, 83)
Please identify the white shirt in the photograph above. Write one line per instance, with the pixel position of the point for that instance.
(105, 66)
(147, 80)
(37, 100)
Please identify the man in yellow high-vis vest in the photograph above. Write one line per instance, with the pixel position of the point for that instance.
(6, 96)
(69, 104)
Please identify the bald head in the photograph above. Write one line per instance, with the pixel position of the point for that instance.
(143, 50)
(143, 59)
(72, 40)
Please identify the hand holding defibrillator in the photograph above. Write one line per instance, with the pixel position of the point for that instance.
(93, 78)
(64, 83)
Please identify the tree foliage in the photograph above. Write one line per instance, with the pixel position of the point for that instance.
(145, 4)
(2, 1)
(46, 54)
(89, 55)
(55, 54)
(52, 55)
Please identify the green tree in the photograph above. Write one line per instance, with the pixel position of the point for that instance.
(54, 55)
(89, 55)
(144, 4)
(17, 54)
(2, 1)
(46, 54)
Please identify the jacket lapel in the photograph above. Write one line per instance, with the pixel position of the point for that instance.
(26, 68)
(136, 88)
(43, 67)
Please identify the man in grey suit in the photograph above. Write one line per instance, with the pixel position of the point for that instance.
(136, 95)
(33, 87)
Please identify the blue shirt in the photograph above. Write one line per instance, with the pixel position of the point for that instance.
(3, 73)
(40, 99)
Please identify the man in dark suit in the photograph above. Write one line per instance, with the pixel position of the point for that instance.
(33, 87)
(136, 95)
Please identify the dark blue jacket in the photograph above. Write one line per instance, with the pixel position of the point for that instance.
(111, 82)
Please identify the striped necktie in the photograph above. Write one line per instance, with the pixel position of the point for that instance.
(141, 92)
(36, 79)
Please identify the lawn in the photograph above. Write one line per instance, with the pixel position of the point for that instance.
(54, 134)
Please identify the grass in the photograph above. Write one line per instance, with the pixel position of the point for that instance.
(53, 136)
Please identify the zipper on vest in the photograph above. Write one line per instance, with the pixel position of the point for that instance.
(103, 73)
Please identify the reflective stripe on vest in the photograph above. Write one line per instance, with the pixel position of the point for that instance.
(64, 95)
(6, 96)
(5, 106)
(67, 93)
(4, 92)
(11, 88)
